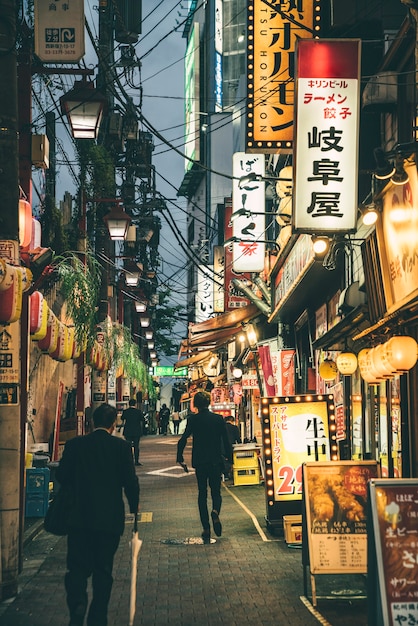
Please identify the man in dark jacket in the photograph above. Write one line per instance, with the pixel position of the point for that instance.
(97, 468)
(209, 435)
(134, 426)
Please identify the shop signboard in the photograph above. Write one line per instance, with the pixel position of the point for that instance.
(326, 148)
(273, 29)
(398, 248)
(59, 31)
(233, 298)
(248, 202)
(335, 498)
(9, 364)
(392, 558)
(296, 430)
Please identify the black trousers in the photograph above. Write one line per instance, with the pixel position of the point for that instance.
(208, 473)
(134, 441)
(89, 553)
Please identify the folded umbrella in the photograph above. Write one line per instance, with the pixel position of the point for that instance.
(136, 544)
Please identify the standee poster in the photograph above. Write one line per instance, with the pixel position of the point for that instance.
(393, 562)
(335, 501)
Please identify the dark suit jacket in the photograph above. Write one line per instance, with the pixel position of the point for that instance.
(209, 437)
(97, 467)
(133, 422)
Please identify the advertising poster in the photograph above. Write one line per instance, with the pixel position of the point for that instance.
(393, 559)
(335, 499)
(298, 432)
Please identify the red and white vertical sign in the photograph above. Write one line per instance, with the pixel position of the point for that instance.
(248, 207)
(234, 299)
(327, 122)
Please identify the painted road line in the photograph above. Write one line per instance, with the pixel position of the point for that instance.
(321, 619)
(251, 515)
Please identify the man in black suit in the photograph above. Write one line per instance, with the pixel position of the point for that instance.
(209, 434)
(97, 468)
(134, 427)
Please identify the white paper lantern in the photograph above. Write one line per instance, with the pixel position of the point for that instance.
(401, 352)
(346, 363)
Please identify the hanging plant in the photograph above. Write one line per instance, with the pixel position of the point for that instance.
(80, 284)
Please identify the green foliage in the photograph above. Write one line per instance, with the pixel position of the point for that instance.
(79, 285)
(97, 176)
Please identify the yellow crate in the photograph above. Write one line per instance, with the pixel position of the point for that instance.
(245, 458)
(247, 476)
(292, 528)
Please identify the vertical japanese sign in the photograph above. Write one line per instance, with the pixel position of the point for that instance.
(9, 363)
(393, 564)
(204, 296)
(233, 299)
(59, 30)
(295, 431)
(327, 121)
(218, 54)
(335, 498)
(273, 29)
(192, 96)
(248, 208)
(219, 272)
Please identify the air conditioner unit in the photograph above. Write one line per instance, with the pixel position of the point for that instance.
(40, 151)
(381, 92)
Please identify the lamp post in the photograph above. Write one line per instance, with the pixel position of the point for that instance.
(117, 222)
(83, 106)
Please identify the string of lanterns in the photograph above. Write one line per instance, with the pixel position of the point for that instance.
(396, 356)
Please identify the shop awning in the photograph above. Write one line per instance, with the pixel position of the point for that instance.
(192, 360)
(231, 319)
(404, 316)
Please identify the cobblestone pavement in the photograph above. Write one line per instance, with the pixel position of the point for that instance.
(247, 576)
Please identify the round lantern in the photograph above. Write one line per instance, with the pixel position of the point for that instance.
(328, 370)
(11, 299)
(346, 363)
(381, 366)
(38, 315)
(365, 365)
(50, 341)
(35, 241)
(25, 223)
(401, 352)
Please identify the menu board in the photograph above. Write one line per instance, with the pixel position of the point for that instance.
(335, 498)
(393, 554)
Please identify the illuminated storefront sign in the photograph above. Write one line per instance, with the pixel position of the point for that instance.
(295, 430)
(204, 296)
(248, 198)
(398, 244)
(327, 120)
(294, 268)
(218, 54)
(233, 298)
(273, 29)
(191, 88)
(59, 31)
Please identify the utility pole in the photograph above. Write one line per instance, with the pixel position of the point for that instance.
(10, 440)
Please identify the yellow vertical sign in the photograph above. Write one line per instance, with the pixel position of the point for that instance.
(272, 33)
(59, 31)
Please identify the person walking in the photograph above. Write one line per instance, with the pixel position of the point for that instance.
(176, 422)
(234, 436)
(209, 435)
(97, 468)
(164, 418)
(134, 425)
